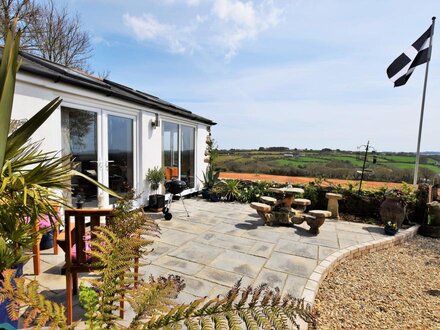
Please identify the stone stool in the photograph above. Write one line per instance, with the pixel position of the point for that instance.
(333, 204)
(315, 219)
(262, 210)
(301, 204)
(268, 200)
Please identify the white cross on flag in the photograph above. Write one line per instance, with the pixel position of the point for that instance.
(402, 67)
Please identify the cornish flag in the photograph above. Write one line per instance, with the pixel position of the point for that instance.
(401, 69)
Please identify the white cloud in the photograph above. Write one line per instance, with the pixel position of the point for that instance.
(220, 24)
(241, 13)
(193, 3)
(147, 27)
(244, 20)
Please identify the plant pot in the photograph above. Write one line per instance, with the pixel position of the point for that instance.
(390, 231)
(5, 322)
(47, 241)
(434, 213)
(215, 198)
(205, 193)
(156, 202)
(429, 231)
(392, 211)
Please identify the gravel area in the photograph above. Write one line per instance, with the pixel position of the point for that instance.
(396, 288)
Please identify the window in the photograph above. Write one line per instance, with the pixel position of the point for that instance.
(178, 152)
(187, 156)
(80, 141)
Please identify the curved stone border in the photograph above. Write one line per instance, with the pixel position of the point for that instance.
(328, 264)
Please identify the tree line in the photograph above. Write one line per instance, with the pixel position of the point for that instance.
(49, 31)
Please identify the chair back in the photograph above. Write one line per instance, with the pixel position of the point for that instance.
(78, 235)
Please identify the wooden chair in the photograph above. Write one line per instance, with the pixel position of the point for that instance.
(36, 247)
(74, 239)
(74, 242)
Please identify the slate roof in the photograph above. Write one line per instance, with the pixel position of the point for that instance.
(58, 73)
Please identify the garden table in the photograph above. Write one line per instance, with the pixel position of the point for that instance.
(287, 193)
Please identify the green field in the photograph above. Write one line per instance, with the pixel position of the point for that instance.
(389, 167)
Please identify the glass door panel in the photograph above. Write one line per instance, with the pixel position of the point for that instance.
(80, 141)
(170, 156)
(187, 156)
(120, 155)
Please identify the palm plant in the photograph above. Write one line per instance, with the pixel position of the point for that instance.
(30, 179)
(210, 177)
(228, 188)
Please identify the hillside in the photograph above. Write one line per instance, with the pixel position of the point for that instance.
(380, 166)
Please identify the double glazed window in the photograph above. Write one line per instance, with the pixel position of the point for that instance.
(101, 145)
(178, 152)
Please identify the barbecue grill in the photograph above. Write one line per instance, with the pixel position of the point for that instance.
(174, 187)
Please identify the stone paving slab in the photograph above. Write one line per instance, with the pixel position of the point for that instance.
(222, 243)
(239, 263)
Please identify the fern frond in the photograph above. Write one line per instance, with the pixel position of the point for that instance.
(266, 309)
(40, 311)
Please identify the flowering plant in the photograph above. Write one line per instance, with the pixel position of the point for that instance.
(391, 225)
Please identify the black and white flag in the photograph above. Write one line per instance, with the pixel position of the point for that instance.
(401, 69)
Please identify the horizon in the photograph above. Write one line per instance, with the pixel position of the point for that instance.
(269, 72)
(422, 152)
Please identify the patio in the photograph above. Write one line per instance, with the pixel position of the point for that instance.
(221, 243)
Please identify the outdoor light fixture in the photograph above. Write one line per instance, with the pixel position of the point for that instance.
(156, 123)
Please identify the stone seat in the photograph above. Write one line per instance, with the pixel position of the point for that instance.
(320, 213)
(316, 219)
(333, 205)
(261, 207)
(263, 210)
(302, 201)
(268, 200)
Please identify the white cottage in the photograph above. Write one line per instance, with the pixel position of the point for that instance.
(115, 133)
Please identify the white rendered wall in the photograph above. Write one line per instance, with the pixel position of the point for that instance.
(32, 93)
(29, 100)
(201, 134)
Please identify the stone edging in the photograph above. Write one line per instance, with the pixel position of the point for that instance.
(328, 264)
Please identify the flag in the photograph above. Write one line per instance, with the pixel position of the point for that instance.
(402, 67)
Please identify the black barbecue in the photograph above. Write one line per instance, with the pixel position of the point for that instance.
(174, 187)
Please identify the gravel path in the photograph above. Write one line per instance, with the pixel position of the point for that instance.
(396, 288)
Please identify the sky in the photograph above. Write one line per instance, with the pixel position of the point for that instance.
(294, 73)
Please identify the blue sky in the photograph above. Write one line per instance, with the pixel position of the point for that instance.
(304, 74)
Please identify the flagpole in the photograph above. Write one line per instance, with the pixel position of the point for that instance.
(416, 170)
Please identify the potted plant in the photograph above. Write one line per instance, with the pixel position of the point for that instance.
(155, 176)
(210, 178)
(391, 228)
(397, 204)
(230, 189)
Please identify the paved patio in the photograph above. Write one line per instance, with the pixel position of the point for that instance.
(220, 243)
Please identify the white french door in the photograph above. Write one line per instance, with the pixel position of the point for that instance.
(102, 144)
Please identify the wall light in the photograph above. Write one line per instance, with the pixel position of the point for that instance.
(156, 123)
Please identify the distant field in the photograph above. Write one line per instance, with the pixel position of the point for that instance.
(373, 185)
(386, 167)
